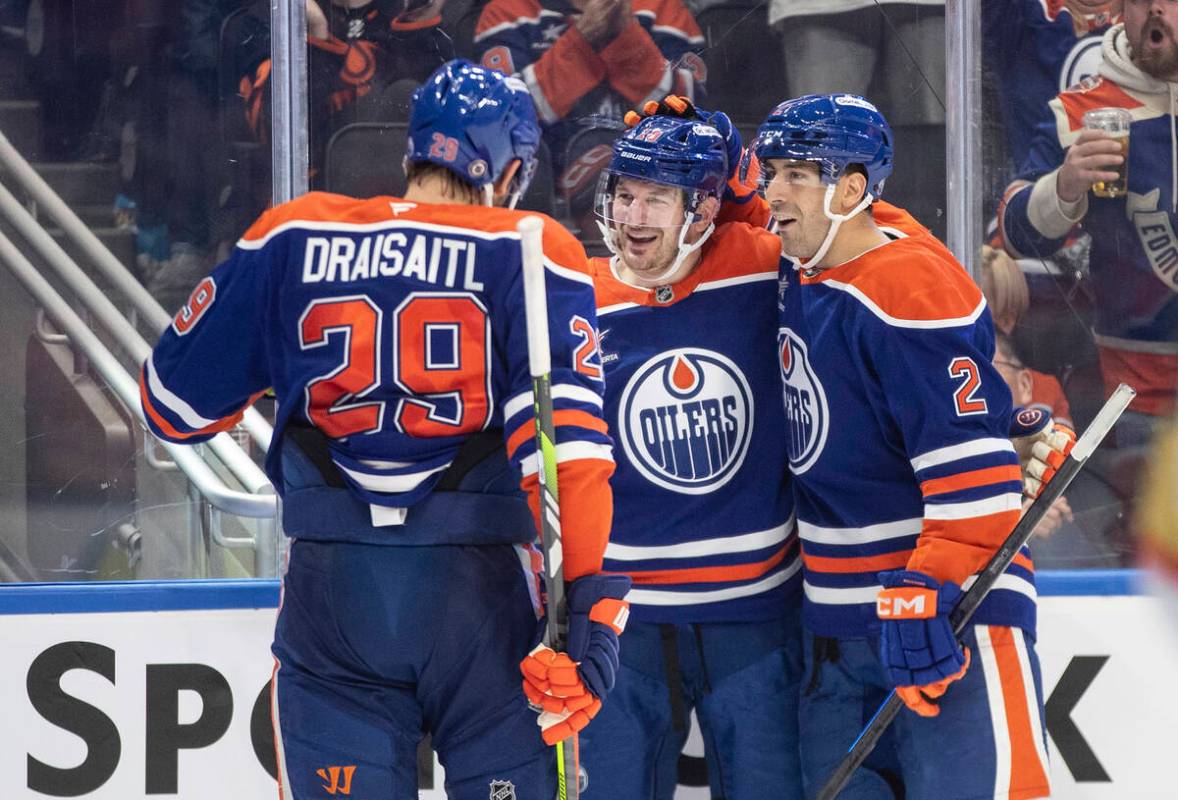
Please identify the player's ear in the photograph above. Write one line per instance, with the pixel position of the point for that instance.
(503, 185)
(851, 188)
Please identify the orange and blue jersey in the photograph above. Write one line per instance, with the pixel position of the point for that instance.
(397, 330)
(703, 519)
(1134, 254)
(897, 427)
(654, 55)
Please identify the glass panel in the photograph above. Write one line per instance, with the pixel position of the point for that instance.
(1082, 292)
(130, 111)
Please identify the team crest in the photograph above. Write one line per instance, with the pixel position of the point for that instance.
(685, 420)
(502, 790)
(806, 412)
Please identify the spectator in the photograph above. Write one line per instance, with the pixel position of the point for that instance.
(357, 50)
(586, 62)
(1134, 256)
(1005, 289)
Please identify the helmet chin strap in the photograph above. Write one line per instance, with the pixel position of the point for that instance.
(836, 220)
(489, 195)
(684, 250)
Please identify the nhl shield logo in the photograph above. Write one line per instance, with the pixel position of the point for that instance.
(502, 790)
(685, 420)
(806, 412)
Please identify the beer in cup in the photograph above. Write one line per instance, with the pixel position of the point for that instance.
(1115, 123)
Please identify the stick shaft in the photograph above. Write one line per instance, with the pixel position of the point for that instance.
(961, 614)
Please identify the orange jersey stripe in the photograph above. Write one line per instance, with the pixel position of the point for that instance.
(952, 550)
(586, 512)
(1027, 778)
(971, 479)
(736, 572)
(878, 563)
(1103, 92)
(581, 419)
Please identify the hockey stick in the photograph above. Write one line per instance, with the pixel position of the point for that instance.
(531, 234)
(962, 612)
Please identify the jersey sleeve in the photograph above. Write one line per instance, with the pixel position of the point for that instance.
(557, 79)
(649, 61)
(211, 362)
(584, 449)
(951, 409)
(1032, 221)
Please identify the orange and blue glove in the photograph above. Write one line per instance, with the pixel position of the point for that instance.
(568, 687)
(919, 652)
(674, 105)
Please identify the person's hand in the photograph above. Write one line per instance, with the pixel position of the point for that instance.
(316, 21)
(416, 11)
(1059, 513)
(1086, 163)
(620, 17)
(596, 21)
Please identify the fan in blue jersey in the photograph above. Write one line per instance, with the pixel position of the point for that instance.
(703, 519)
(392, 331)
(905, 481)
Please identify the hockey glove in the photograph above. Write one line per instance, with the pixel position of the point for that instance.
(917, 646)
(1041, 444)
(569, 687)
(678, 106)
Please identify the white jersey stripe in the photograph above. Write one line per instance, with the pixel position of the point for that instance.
(560, 391)
(976, 447)
(1009, 582)
(174, 402)
(370, 227)
(546, 112)
(667, 597)
(615, 307)
(571, 451)
(997, 704)
(1010, 501)
(949, 322)
(390, 483)
(741, 543)
(724, 283)
(870, 533)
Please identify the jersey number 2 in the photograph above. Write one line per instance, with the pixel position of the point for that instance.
(441, 343)
(965, 399)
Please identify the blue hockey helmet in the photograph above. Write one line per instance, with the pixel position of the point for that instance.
(832, 130)
(474, 122)
(688, 154)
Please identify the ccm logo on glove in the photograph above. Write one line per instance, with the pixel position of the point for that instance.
(906, 603)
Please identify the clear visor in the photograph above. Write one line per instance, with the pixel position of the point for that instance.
(624, 201)
(796, 174)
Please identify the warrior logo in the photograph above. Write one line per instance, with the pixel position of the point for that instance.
(502, 790)
(806, 412)
(686, 418)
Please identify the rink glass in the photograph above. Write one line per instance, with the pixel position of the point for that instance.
(1115, 123)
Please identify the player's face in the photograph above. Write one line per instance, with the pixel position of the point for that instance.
(1150, 26)
(648, 218)
(795, 195)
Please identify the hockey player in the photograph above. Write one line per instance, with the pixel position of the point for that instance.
(905, 481)
(703, 510)
(392, 331)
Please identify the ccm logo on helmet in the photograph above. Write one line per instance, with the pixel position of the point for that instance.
(685, 420)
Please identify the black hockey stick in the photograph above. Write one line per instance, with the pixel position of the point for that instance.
(962, 612)
(531, 233)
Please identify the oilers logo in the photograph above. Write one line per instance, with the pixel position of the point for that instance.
(685, 420)
(806, 412)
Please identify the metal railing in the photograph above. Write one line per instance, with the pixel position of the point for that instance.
(258, 501)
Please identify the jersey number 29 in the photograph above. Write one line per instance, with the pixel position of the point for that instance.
(440, 352)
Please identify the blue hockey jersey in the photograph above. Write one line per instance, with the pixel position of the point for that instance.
(897, 429)
(1134, 259)
(397, 330)
(703, 522)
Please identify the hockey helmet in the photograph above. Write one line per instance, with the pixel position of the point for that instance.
(474, 122)
(831, 130)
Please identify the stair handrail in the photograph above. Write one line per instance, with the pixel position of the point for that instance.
(263, 507)
(112, 320)
(156, 317)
